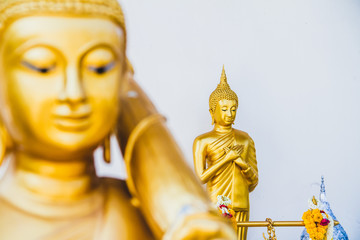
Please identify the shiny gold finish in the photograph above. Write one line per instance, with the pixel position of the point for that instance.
(222, 91)
(11, 10)
(225, 158)
(163, 187)
(106, 149)
(65, 86)
(4, 142)
(270, 230)
(141, 127)
(275, 224)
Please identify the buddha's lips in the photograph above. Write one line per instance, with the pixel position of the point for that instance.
(72, 122)
(73, 116)
(65, 111)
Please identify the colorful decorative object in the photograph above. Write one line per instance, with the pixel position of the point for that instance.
(318, 223)
(338, 232)
(224, 206)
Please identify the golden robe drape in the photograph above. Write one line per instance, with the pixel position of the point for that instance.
(231, 181)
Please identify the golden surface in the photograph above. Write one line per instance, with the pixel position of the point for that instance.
(13, 9)
(65, 87)
(275, 224)
(225, 158)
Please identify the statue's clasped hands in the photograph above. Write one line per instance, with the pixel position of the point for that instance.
(233, 153)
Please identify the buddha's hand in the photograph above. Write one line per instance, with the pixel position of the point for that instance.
(240, 161)
(204, 226)
(233, 152)
(242, 164)
(239, 148)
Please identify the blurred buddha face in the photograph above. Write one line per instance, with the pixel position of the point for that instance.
(60, 83)
(225, 112)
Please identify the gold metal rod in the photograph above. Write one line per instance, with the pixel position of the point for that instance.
(275, 224)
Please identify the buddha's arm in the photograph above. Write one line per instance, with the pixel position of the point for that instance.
(199, 151)
(163, 183)
(251, 173)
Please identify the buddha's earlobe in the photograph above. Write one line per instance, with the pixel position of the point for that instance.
(4, 142)
(212, 117)
(127, 78)
(106, 149)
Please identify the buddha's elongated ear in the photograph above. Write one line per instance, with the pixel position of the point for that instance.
(127, 77)
(4, 141)
(212, 117)
(106, 149)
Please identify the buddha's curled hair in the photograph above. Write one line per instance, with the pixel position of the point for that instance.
(13, 9)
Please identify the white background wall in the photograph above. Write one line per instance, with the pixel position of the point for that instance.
(295, 66)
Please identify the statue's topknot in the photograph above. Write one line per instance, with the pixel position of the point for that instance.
(222, 91)
(12, 9)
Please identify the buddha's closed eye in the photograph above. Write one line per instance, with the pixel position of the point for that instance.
(33, 67)
(102, 69)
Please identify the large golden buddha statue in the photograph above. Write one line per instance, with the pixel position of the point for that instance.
(65, 88)
(225, 158)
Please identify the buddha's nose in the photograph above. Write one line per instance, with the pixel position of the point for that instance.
(229, 113)
(73, 90)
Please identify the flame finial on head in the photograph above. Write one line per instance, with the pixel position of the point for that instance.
(223, 79)
(223, 91)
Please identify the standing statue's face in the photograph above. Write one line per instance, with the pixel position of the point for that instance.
(225, 112)
(60, 83)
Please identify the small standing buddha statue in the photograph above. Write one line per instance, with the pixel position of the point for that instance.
(66, 87)
(225, 158)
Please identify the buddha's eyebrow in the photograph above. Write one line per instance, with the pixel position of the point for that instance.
(33, 43)
(116, 49)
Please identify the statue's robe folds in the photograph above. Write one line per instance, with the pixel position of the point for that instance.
(231, 181)
(113, 218)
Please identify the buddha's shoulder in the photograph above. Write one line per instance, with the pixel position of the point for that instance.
(205, 138)
(242, 136)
